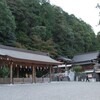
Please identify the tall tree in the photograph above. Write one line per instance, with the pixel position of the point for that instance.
(98, 40)
(45, 27)
(7, 25)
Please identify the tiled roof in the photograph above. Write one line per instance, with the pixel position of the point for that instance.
(64, 58)
(86, 57)
(26, 55)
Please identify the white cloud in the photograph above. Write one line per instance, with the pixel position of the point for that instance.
(84, 9)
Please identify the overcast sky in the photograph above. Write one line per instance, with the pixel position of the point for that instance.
(84, 9)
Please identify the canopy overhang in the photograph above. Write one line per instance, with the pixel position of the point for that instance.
(9, 54)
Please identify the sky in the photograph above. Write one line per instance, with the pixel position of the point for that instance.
(84, 9)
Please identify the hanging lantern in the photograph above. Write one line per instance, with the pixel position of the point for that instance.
(16, 65)
(30, 67)
(40, 68)
(7, 58)
(20, 66)
(37, 68)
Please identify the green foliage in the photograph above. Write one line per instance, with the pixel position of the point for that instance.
(7, 24)
(40, 31)
(4, 71)
(39, 73)
(38, 25)
(77, 69)
(98, 40)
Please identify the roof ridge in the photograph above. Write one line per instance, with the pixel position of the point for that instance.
(23, 50)
(88, 53)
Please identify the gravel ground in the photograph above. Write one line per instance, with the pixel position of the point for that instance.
(51, 91)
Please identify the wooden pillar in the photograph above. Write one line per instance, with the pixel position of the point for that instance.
(11, 73)
(50, 73)
(33, 74)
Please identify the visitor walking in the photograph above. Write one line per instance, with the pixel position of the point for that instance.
(87, 79)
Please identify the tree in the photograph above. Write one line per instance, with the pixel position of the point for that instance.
(44, 27)
(77, 69)
(4, 71)
(7, 25)
(98, 40)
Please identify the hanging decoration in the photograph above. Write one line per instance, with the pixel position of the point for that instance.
(46, 67)
(20, 66)
(16, 65)
(40, 68)
(7, 58)
(30, 67)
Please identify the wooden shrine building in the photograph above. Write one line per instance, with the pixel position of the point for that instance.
(22, 64)
(90, 63)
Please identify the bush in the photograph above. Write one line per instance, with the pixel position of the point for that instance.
(4, 71)
(77, 69)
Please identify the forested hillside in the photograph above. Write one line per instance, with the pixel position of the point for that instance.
(37, 25)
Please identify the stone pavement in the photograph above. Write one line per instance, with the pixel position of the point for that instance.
(51, 91)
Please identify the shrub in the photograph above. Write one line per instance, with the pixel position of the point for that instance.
(4, 71)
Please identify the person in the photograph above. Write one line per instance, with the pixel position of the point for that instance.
(87, 79)
(57, 78)
(60, 77)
